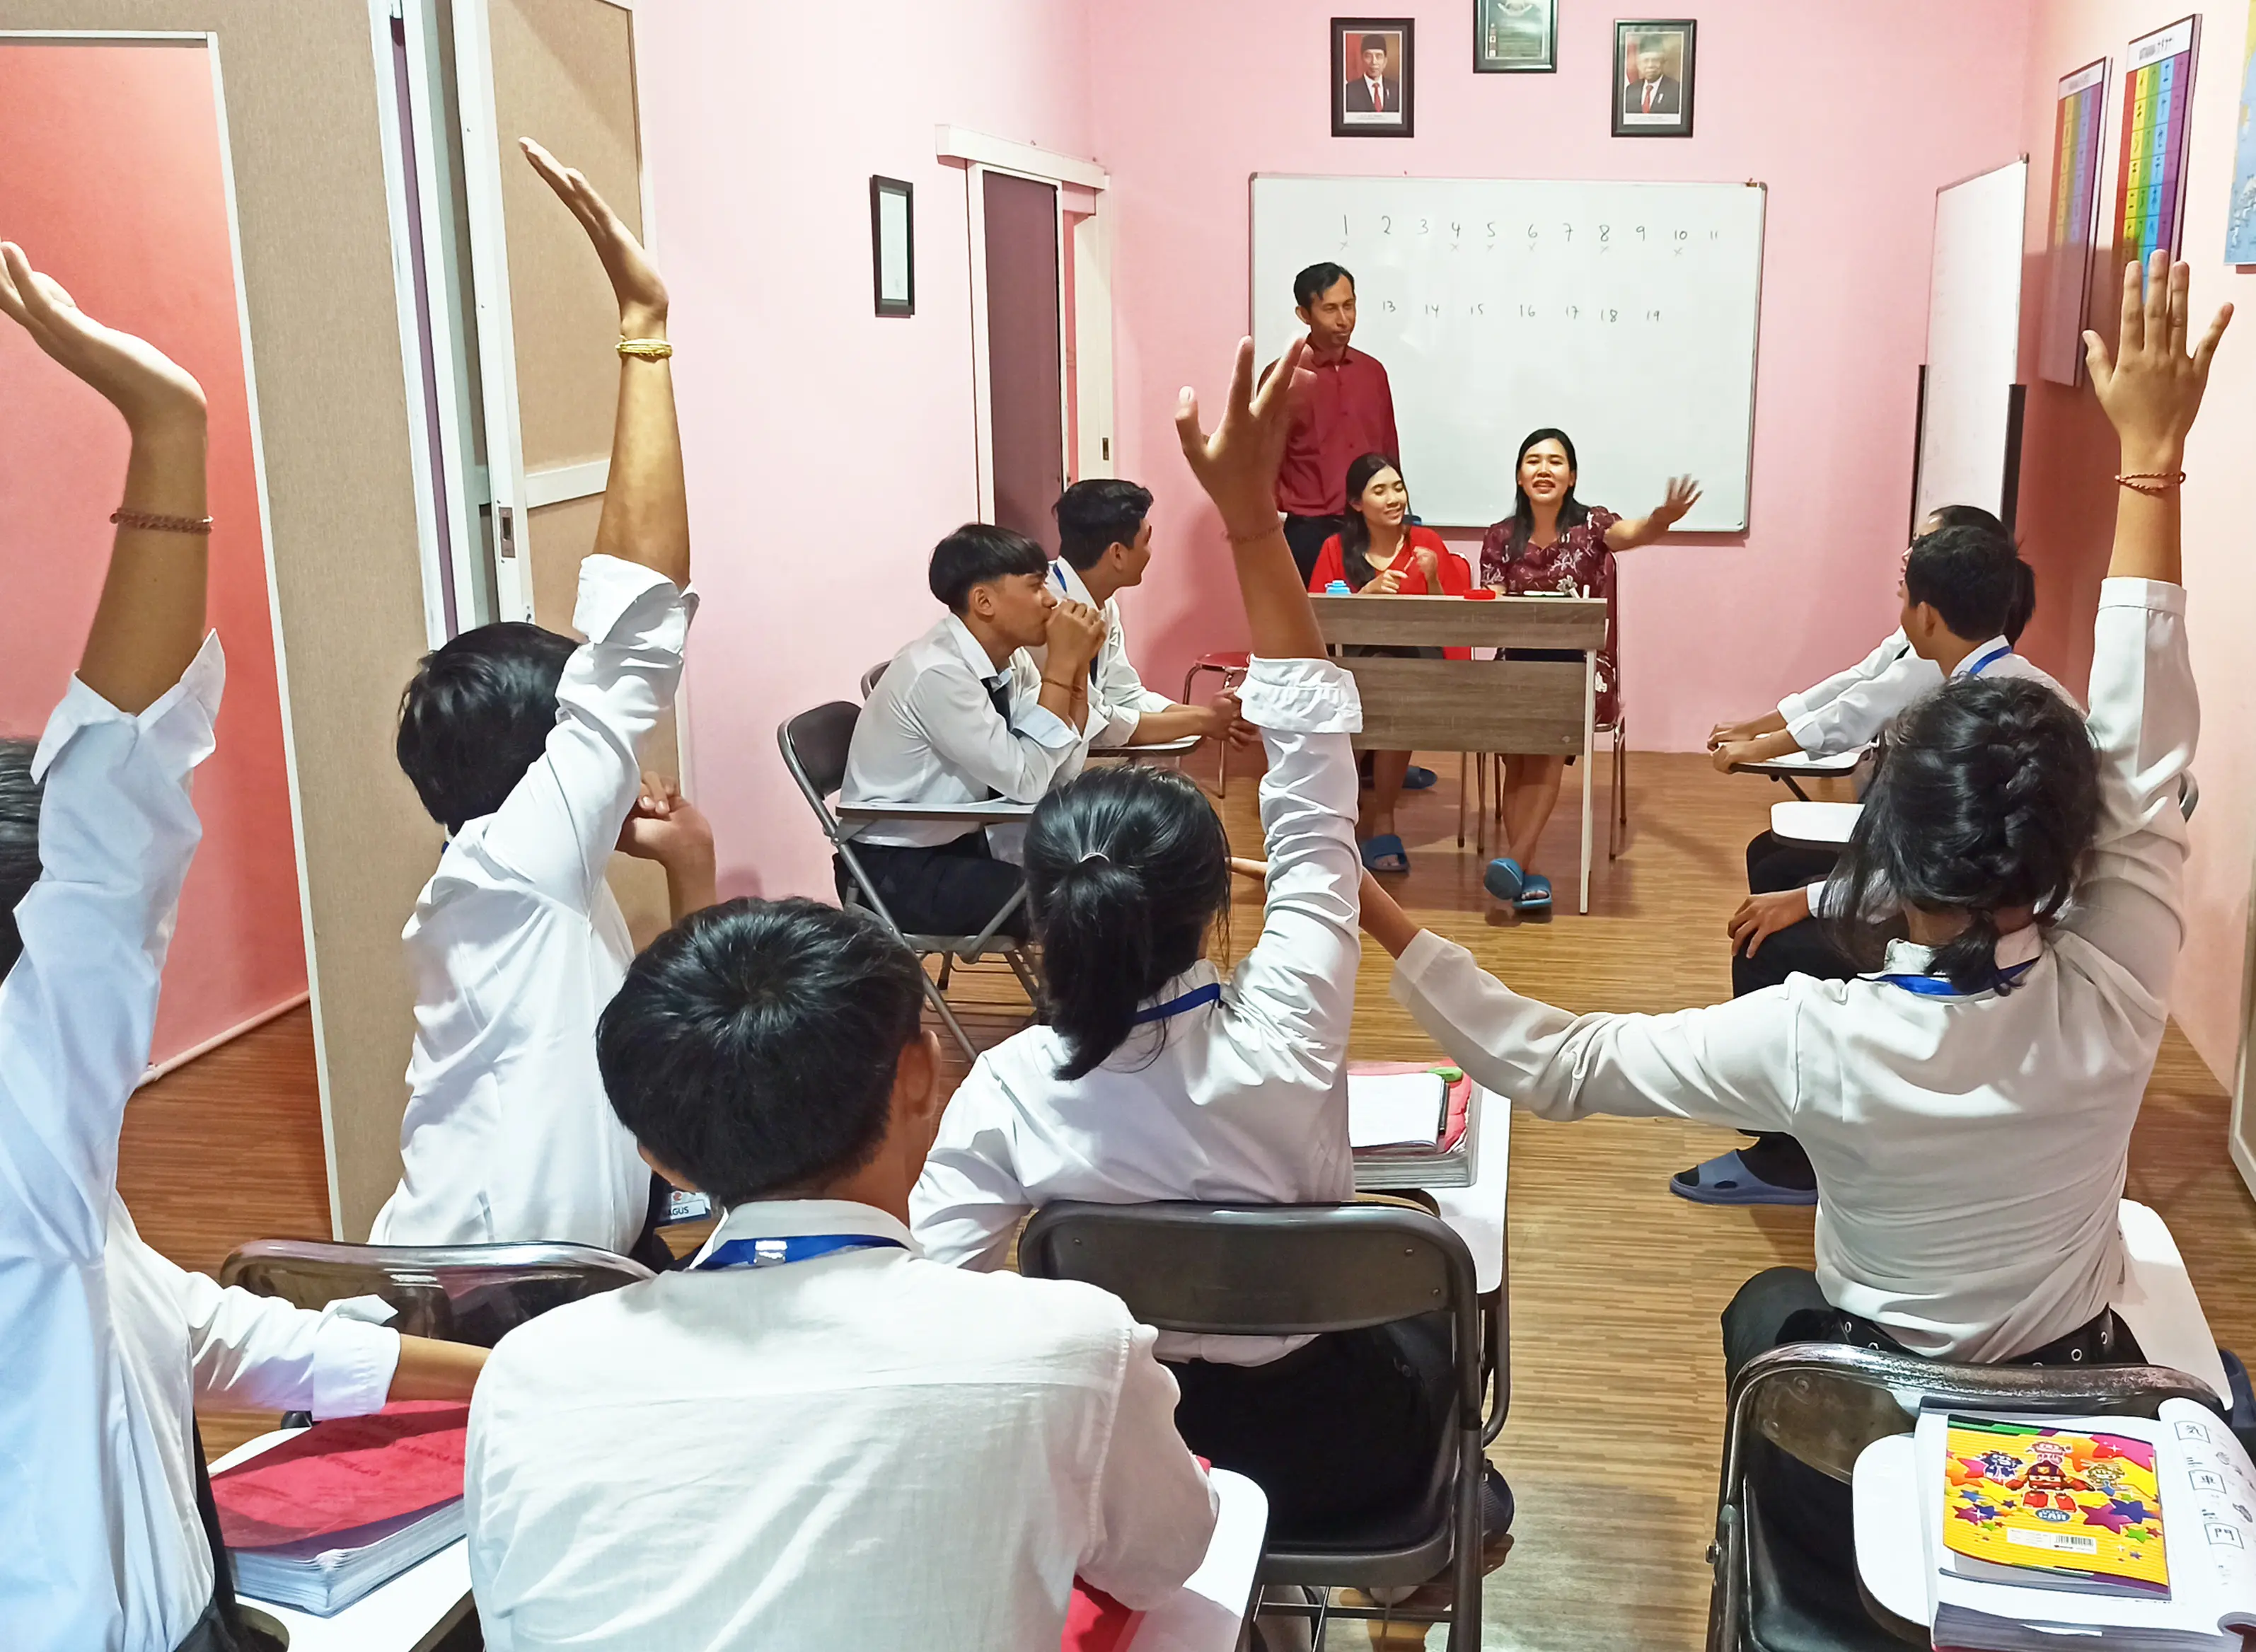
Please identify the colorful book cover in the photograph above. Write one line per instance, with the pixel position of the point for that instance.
(2081, 1507)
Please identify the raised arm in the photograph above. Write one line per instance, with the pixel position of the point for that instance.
(645, 505)
(1630, 533)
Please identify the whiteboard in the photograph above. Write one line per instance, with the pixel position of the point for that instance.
(1625, 313)
(1973, 342)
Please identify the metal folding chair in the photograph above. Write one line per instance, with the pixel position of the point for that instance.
(1821, 1404)
(456, 1293)
(815, 746)
(1294, 1269)
(1231, 666)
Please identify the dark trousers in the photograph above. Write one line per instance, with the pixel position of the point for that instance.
(1307, 534)
(1800, 949)
(954, 888)
(1343, 1428)
(220, 1628)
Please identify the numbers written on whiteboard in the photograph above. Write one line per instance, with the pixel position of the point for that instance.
(1608, 315)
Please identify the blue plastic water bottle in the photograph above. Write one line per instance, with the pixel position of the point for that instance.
(1338, 588)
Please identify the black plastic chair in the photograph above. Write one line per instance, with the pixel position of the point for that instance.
(1819, 1405)
(456, 1293)
(1301, 1269)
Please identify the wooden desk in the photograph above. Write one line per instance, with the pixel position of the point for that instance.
(1547, 708)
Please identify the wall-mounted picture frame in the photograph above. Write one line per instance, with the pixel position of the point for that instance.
(892, 245)
(1374, 66)
(1515, 37)
(1653, 77)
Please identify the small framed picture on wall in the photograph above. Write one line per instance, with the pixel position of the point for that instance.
(1515, 37)
(1373, 63)
(1653, 78)
(892, 245)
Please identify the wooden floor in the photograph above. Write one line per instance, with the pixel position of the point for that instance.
(1615, 1285)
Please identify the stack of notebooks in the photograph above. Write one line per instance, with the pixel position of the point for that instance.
(2101, 1534)
(345, 1507)
(1411, 1125)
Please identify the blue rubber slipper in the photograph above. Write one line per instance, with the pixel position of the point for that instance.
(1415, 779)
(1504, 879)
(1384, 853)
(1726, 1180)
(1534, 893)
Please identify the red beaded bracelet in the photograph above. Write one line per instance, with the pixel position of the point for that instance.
(150, 521)
(2162, 481)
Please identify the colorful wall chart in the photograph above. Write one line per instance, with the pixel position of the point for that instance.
(2157, 120)
(2082, 108)
(2240, 214)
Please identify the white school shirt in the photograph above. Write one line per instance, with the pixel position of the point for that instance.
(1118, 700)
(862, 1451)
(1240, 1097)
(515, 946)
(1851, 707)
(1969, 1151)
(929, 734)
(107, 1345)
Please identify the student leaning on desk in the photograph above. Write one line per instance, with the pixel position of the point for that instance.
(109, 1538)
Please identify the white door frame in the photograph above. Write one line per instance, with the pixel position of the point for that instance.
(1090, 403)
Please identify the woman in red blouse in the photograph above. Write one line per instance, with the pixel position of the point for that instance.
(1554, 542)
(1379, 553)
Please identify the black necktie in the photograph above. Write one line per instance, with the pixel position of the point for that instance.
(1000, 692)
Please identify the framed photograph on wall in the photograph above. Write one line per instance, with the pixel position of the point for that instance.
(1515, 37)
(1653, 77)
(892, 245)
(1373, 64)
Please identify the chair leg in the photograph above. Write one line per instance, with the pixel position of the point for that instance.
(1617, 829)
(1463, 765)
(940, 1007)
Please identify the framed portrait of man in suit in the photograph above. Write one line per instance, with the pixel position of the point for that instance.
(1653, 78)
(1372, 66)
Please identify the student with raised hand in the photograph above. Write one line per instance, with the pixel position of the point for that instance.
(525, 746)
(113, 1541)
(963, 715)
(1156, 1077)
(2036, 861)
(812, 1436)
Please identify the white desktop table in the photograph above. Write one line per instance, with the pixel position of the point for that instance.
(1207, 1613)
(1815, 825)
(1797, 767)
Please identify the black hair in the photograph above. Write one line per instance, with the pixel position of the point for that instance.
(1126, 869)
(2023, 607)
(1355, 532)
(19, 841)
(1970, 576)
(1989, 802)
(1571, 510)
(978, 554)
(752, 1046)
(476, 716)
(1096, 514)
(1316, 280)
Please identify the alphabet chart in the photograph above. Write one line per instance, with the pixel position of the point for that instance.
(1625, 313)
(2157, 120)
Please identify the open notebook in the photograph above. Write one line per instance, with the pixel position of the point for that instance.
(1410, 1124)
(2098, 1534)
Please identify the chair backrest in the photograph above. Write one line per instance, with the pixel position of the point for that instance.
(1264, 1269)
(456, 1292)
(870, 677)
(815, 744)
(2189, 794)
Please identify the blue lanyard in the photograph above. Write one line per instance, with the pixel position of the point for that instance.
(1210, 993)
(1940, 985)
(781, 1253)
(1989, 660)
(1060, 573)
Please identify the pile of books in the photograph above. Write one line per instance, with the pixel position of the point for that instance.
(1411, 1125)
(344, 1506)
(2104, 1534)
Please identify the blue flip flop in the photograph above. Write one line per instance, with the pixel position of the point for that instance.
(1415, 779)
(1388, 848)
(1726, 1180)
(1504, 879)
(1534, 893)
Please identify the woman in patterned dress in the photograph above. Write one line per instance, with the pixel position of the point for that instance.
(1554, 542)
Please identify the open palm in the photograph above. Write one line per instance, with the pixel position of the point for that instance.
(136, 377)
(635, 279)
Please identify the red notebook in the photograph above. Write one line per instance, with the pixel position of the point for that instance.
(345, 1472)
(1095, 1622)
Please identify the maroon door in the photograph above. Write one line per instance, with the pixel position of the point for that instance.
(1025, 373)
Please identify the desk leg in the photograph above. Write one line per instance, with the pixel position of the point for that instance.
(1794, 786)
(1590, 713)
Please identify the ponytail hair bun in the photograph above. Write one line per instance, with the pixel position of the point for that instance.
(1989, 802)
(1126, 869)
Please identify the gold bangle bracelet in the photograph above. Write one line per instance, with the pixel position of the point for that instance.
(152, 522)
(647, 350)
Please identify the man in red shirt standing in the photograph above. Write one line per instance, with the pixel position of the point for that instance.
(1347, 411)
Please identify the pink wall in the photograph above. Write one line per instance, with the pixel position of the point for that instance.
(828, 450)
(1192, 97)
(112, 181)
(2068, 496)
